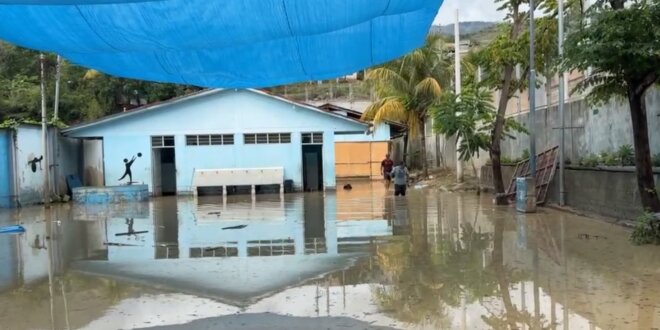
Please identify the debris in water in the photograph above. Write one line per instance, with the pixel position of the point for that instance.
(15, 229)
(235, 227)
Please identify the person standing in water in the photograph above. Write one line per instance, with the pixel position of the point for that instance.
(400, 176)
(386, 169)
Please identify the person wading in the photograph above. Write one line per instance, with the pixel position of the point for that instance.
(400, 176)
(385, 169)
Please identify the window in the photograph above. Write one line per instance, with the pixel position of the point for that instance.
(312, 138)
(269, 138)
(209, 140)
(162, 141)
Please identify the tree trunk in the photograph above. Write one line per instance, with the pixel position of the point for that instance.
(425, 165)
(645, 180)
(496, 137)
(511, 313)
(406, 146)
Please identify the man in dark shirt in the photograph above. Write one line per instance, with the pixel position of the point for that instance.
(386, 169)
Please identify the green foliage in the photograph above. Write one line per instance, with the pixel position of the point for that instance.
(85, 94)
(621, 45)
(609, 159)
(647, 230)
(626, 155)
(406, 88)
(656, 160)
(590, 160)
(471, 117)
(525, 154)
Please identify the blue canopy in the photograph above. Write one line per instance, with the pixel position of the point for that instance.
(220, 43)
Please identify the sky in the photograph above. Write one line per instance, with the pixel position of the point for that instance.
(469, 10)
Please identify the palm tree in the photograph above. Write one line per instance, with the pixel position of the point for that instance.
(407, 88)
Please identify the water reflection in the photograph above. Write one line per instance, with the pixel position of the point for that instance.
(430, 261)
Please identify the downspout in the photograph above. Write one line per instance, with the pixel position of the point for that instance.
(14, 167)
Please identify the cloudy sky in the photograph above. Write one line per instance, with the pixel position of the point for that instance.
(470, 10)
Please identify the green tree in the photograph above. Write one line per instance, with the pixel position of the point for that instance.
(471, 117)
(408, 87)
(621, 44)
(499, 59)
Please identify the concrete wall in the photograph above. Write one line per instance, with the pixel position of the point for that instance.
(5, 169)
(226, 112)
(606, 191)
(92, 168)
(18, 176)
(594, 129)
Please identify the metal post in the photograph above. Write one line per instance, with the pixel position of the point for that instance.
(562, 100)
(56, 106)
(532, 92)
(457, 86)
(44, 131)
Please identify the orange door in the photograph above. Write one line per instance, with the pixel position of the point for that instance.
(359, 159)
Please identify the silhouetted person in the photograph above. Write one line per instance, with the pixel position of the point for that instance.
(131, 231)
(33, 163)
(128, 170)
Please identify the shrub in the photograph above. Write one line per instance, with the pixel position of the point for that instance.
(647, 230)
(590, 160)
(656, 160)
(626, 155)
(525, 154)
(609, 158)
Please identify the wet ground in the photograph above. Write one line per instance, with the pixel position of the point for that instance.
(355, 259)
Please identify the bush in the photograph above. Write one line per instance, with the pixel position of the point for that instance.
(656, 160)
(525, 155)
(609, 158)
(647, 230)
(626, 155)
(590, 160)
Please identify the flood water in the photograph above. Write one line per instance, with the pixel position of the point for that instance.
(357, 259)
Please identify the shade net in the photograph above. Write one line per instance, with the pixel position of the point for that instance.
(220, 43)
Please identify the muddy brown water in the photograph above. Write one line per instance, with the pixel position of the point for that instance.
(357, 259)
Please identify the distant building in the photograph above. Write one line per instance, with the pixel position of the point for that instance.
(221, 129)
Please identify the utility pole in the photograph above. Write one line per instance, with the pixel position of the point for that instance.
(562, 100)
(457, 86)
(532, 93)
(44, 131)
(56, 106)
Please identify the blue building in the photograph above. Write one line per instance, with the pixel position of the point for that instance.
(23, 164)
(178, 144)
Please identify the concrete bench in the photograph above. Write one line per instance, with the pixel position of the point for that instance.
(238, 177)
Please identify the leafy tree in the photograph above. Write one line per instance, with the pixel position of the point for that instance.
(470, 116)
(408, 87)
(621, 44)
(500, 58)
(85, 94)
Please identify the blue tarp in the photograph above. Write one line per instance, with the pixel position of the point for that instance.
(220, 43)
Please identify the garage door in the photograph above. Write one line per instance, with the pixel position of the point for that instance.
(359, 159)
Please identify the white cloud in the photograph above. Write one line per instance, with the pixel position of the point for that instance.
(470, 10)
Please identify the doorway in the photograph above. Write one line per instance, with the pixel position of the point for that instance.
(312, 167)
(163, 166)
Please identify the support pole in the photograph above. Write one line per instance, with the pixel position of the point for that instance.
(532, 91)
(44, 132)
(562, 101)
(56, 106)
(457, 86)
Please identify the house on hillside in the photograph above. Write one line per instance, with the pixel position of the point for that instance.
(170, 143)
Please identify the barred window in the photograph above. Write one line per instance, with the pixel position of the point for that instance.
(162, 141)
(312, 138)
(209, 139)
(267, 138)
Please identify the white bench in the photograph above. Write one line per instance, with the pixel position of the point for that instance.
(238, 177)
